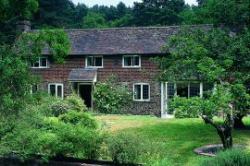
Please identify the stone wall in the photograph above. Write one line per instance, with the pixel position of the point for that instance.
(112, 65)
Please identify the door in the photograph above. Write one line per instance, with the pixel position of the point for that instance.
(85, 92)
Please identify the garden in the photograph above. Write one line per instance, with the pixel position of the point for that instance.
(39, 129)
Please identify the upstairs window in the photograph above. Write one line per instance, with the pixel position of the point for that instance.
(94, 61)
(42, 62)
(131, 61)
(56, 90)
(141, 92)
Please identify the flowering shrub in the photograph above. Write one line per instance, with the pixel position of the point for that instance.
(111, 97)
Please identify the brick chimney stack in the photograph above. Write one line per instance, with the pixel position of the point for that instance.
(23, 26)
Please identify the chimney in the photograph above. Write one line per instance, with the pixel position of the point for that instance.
(23, 26)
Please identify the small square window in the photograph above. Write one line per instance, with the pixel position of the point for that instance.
(94, 61)
(42, 62)
(56, 90)
(131, 61)
(141, 92)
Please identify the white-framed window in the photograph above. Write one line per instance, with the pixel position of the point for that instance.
(34, 88)
(42, 62)
(131, 61)
(141, 92)
(94, 62)
(56, 89)
(184, 89)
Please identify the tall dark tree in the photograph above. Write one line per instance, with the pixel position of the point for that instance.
(55, 13)
(154, 12)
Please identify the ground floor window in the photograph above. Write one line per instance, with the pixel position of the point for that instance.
(141, 92)
(56, 90)
(184, 89)
(34, 89)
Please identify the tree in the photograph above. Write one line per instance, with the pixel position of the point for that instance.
(94, 20)
(56, 13)
(211, 56)
(233, 14)
(153, 12)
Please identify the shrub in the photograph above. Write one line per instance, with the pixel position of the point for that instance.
(125, 148)
(76, 103)
(234, 157)
(185, 107)
(59, 108)
(35, 131)
(72, 102)
(79, 118)
(111, 97)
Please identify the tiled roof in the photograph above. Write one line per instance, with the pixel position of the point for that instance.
(130, 40)
(83, 75)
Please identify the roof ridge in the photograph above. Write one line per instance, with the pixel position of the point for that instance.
(135, 28)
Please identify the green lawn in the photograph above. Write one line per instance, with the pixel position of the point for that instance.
(174, 139)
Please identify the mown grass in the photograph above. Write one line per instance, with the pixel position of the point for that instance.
(174, 139)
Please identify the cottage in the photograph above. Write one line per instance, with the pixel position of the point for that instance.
(125, 52)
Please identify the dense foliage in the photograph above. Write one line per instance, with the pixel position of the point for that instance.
(184, 107)
(63, 13)
(37, 131)
(16, 78)
(122, 148)
(111, 97)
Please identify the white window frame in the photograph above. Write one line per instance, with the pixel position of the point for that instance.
(86, 61)
(56, 85)
(123, 61)
(39, 61)
(149, 94)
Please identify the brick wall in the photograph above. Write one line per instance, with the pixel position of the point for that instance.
(58, 73)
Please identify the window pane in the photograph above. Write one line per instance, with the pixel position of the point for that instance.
(36, 64)
(52, 90)
(145, 92)
(182, 89)
(171, 90)
(137, 92)
(89, 61)
(59, 91)
(43, 62)
(127, 61)
(207, 89)
(136, 61)
(34, 88)
(194, 89)
(98, 61)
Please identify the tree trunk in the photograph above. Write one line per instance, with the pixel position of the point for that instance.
(224, 130)
(238, 123)
(225, 134)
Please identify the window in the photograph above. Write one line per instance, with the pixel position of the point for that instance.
(42, 62)
(56, 90)
(183, 89)
(131, 61)
(141, 92)
(34, 89)
(94, 61)
(171, 90)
